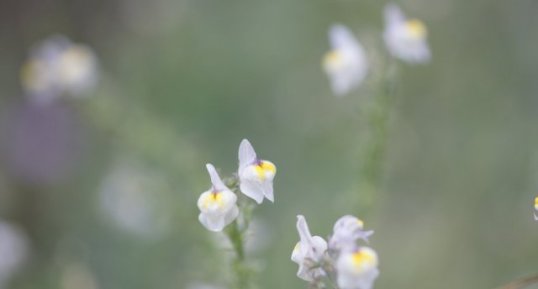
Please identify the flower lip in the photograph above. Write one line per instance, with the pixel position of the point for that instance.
(415, 28)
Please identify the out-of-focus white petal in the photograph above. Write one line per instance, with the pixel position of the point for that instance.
(255, 175)
(132, 197)
(14, 249)
(212, 223)
(247, 155)
(357, 269)
(252, 189)
(405, 38)
(216, 181)
(393, 14)
(347, 230)
(536, 209)
(308, 251)
(217, 206)
(341, 37)
(346, 64)
(57, 67)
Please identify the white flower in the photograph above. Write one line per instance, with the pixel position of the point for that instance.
(536, 209)
(132, 197)
(357, 269)
(405, 38)
(308, 251)
(255, 175)
(345, 64)
(58, 66)
(347, 230)
(217, 205)
(13, 249)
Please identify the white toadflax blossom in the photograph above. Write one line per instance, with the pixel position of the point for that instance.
(58, 66)
(345, 64)
(405, 38)
(255, 175)
(347, 230)
(13, 251)
(131, 198)
(307, 252)
(357, 269)
(217, 205)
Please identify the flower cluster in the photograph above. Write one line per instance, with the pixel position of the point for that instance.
(346, 63)
(218, 205)
(341, 260)
(57, 67)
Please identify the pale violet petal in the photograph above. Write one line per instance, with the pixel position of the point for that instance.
(231, 215)
(247, 155)
(218, 185)
(268, 190)
(297, 255)
(393, 14)
(212, 224)
(341, 37)
(304, 232)
(319, 245)
(252, 189)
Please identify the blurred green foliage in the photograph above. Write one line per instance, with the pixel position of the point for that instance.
(184, 81)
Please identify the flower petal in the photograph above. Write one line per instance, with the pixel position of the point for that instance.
(340, 36)
(247, 155)
(304, 232)
(393, 14)
(252, 189)
(218, 185)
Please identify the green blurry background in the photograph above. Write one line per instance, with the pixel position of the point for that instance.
(182, 82)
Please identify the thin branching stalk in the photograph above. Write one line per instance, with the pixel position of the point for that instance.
(236, 233)
(377, 117)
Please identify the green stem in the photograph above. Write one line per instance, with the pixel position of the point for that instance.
(377, 116)
(236, 233)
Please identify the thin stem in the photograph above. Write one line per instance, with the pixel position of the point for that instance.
(378, 115)
(236, 234)
(521, 283)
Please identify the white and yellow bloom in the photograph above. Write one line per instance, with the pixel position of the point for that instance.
(357, 269)
(255, 175)
(132, 198)
(308, 252)
(58, 66)
(218, 205)
(406, 39)
(347, 230)
(536, 208)
(345, 64)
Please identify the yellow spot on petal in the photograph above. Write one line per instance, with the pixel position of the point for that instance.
(364, 258)
(30, 75)
(297, 246)
(212, 199)
(536, 203)
(416, 28)
(332, 60)
(264, 167)
(361, 223)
